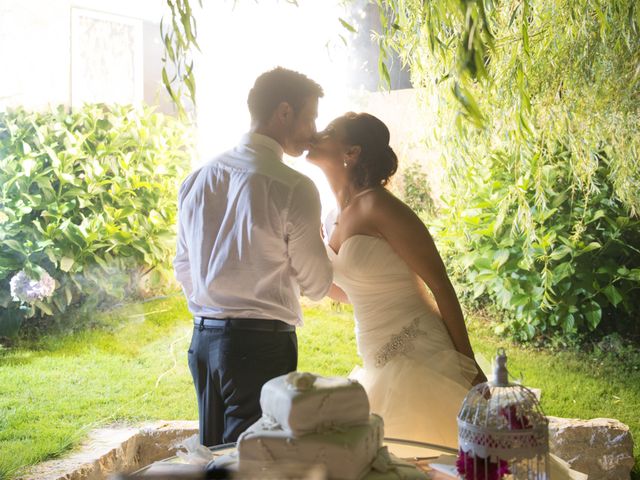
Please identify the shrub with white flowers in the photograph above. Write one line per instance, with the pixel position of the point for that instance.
(29, 290)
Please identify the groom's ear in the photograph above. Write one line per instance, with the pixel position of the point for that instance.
(284, 113)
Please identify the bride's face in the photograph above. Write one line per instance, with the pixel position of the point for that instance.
(327, 151)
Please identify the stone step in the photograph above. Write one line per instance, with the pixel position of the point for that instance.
(601, 448)
(117, 449)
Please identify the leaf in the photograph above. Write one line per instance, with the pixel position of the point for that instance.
(100, 261)
(468, 104)
(15, 246)
(592, 246)
(67, 177)
(5, 298)
(500, 258)
(44, 307)
(485, 275)
(633, 274)
(478, 289)
(598, 214)
(66, 263)
(28, 165)
(560, 252)
(525, 26)
(155, 218)
(592, 313)
(68, 294)
(55, 161)
(520, 300)
(613, 295)
(568, 323)
(347, 25)
(562, 271)
(530, 330)
(482, 262)
(385, 74)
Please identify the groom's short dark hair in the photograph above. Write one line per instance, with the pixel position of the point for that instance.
(277, 86)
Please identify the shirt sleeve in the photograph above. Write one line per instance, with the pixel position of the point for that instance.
(181, 265)
(307, 253)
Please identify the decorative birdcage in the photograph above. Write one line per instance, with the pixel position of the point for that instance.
(502, 431)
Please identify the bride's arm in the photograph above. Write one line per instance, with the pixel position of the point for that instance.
(337, 294)
(411, 240)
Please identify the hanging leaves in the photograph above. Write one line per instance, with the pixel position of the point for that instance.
(456, 33)
(180, 40)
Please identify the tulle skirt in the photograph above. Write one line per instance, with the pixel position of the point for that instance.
(415, 379)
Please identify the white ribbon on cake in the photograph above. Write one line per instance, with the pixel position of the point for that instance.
(387, 462)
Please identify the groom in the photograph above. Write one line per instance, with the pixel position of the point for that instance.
(248, 244)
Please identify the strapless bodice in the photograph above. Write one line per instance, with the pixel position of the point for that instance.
(383, 289)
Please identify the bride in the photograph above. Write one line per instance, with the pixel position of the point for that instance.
(418, 363)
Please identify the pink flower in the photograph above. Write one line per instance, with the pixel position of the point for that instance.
(472, 467)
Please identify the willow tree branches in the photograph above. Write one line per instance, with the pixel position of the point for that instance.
(180, 40)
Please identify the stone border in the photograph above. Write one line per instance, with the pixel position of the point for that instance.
(601, 448)
(119, 449)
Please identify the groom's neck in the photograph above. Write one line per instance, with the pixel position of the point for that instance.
(270, 132)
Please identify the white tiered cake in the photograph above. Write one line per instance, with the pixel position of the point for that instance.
(312, 420)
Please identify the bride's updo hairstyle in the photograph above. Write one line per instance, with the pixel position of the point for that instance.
(377, 162)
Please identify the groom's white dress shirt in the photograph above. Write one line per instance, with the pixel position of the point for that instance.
(249, 236)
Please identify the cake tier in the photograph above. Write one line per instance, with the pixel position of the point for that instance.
(303, 403)
(397, 470)
(347, 454)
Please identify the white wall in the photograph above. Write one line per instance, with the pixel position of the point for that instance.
(35, 47)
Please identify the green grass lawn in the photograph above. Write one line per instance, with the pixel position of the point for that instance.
(133, 368)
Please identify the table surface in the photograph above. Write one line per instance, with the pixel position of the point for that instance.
(422, 454)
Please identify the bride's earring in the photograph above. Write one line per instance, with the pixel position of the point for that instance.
(345, 164)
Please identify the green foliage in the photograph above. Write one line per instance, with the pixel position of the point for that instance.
(90, 197)
(416, 191)
(179, 40)
(542, 173)
(562, 72)
(560, 268)
(456, 34)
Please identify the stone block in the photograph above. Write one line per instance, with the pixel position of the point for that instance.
(116, 449)
(602, 447)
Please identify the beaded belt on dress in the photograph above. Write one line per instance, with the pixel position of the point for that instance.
(399, 343)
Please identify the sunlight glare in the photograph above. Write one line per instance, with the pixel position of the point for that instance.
(242, 41)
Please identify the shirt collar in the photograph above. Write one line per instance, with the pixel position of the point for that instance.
(257, 139)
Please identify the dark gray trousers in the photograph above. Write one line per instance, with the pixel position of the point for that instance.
(229, 368)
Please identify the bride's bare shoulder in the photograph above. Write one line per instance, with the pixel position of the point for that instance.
(384, 202)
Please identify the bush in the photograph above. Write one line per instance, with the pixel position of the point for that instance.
(542, 169)
(557, 269)
(416, 191)
(88, 197)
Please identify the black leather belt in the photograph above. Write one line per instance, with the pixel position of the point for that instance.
(259, 324)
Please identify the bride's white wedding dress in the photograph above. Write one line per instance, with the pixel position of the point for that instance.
(415, 378)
